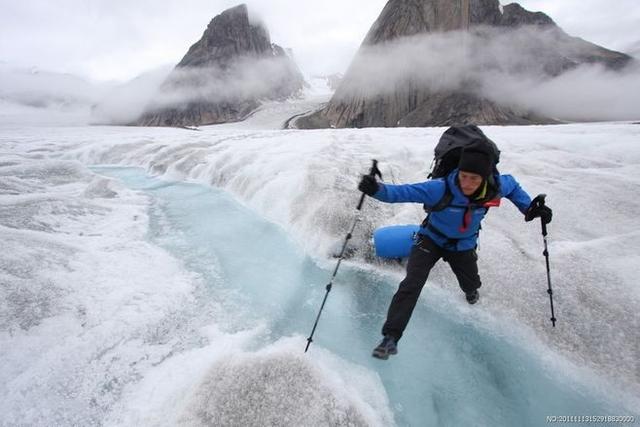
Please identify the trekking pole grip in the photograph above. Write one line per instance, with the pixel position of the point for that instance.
(540, 198)
(372, 172)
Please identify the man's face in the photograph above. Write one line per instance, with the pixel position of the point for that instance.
(469, 182)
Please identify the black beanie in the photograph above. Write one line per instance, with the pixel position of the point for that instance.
(475, 162)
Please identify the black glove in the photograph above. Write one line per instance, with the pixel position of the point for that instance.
(536, 210)
(368, 185)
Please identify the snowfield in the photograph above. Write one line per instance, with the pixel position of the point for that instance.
(101, 324)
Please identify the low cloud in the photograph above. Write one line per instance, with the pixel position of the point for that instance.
(108, 103)
(586, 93)
(42, 89)
(517, 67)
(126, 102)
(246, 78)
(43, 97)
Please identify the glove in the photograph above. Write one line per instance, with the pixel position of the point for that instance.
(544, 212)
(368, 185)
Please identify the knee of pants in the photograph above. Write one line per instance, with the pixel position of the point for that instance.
(412, 284)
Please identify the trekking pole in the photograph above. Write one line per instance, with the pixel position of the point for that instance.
(372, 172)
(539, 200)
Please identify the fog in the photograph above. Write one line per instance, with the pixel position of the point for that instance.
(42, 89)
(587, 93)
(102, 103)
(517, 67)
(127, 102)
(246, 78)
(42, 97)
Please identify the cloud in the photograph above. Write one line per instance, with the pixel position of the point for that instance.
(610, 24)
(505, 67)
(42, 89)
(586, 93)
(118, 39)
(34, 96)
(164, 87)
(126, 102)
(633, 49)
(520, 67)
(246, 78)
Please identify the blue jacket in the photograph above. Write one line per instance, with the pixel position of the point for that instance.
(449, 228)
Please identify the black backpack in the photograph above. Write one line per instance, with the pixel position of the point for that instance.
(447, 156)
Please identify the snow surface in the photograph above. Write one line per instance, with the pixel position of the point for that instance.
(101, 324)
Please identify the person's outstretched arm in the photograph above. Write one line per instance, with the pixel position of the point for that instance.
(429, 192)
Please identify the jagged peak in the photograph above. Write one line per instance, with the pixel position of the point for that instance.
(242, 11)
(239, 12)
(384, 86)
(514, 14)
(225, 75)
(232, 33)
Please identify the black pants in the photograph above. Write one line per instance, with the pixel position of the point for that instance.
(424, 256)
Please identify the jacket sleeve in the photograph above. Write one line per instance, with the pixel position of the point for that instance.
(511, 189)
(429, 192)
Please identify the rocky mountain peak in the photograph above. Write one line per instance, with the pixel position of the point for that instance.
(225, 75)
(228, 35)
(425, 57)
(401, 18)
(515, 15)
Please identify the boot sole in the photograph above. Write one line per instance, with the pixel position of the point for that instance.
(380, 356)
(383, 356)
(475, 300)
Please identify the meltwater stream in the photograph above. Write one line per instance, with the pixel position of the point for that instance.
(449, 371)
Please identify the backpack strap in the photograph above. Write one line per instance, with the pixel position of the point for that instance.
(444, 201)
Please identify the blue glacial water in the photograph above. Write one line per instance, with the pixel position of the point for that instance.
(449, 371)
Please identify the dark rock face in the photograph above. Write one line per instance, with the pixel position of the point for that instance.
(515, 15)
(546, 51)
(224, 76)
(227, 36)
(446, 109)
(418, 108)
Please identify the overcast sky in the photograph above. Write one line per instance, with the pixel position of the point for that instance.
(119, 39)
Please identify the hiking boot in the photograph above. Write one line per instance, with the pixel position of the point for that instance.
(385, 348)
(473, 297)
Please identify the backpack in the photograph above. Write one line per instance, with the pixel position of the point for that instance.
(447, 156)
